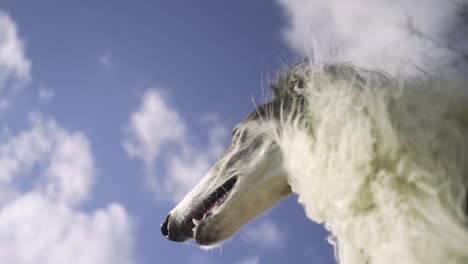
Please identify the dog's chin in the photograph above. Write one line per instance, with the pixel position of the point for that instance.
(212, 233)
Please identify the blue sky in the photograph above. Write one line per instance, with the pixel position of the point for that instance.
(110, 111)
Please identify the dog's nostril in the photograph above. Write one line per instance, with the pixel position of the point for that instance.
(164, 229)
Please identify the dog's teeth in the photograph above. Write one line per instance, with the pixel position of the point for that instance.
(195, 222)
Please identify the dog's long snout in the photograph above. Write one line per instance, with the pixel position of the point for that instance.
(177, 231)
(164, 229)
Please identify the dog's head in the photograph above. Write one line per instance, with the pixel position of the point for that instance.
(245, 181)
(249, 177)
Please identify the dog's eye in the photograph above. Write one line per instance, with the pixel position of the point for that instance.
(234, 131)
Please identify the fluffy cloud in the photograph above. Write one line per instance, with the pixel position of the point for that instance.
(14, 66)
(152, 126)
(374, 33)
(45, 94)
(70, 169)
(13, 62)
(35, 229)
(266, 234)
(46, 172)
(156, 126)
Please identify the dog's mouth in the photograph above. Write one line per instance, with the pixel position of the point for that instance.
(206, 208)
(200, 215)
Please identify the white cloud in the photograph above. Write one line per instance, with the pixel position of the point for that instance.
(371, 33)
(14, 66)
(251, 260)
(184, 173)
(70, 168)
(156, 126)
(45, 94)
(46, 172)
(152, 126)
(12, 59)
(267, 234)
(188, 167)
(106, 59)
(35, 229)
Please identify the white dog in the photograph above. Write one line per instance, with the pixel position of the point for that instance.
(381, 161)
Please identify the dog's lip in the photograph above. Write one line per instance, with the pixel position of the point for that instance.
(200, 217)
(203, 215)
(214, 200)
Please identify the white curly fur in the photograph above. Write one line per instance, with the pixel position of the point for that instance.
(382, 162)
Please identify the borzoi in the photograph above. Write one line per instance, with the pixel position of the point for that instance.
(381, 161)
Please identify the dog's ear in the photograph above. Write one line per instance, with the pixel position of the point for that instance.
(356, 76)
(291, 82)
(344, 71)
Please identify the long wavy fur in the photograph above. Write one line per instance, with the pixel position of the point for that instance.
(381, 161)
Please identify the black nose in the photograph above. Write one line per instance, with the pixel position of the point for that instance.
(164, 229)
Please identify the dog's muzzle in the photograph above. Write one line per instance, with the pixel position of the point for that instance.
(174, 232)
